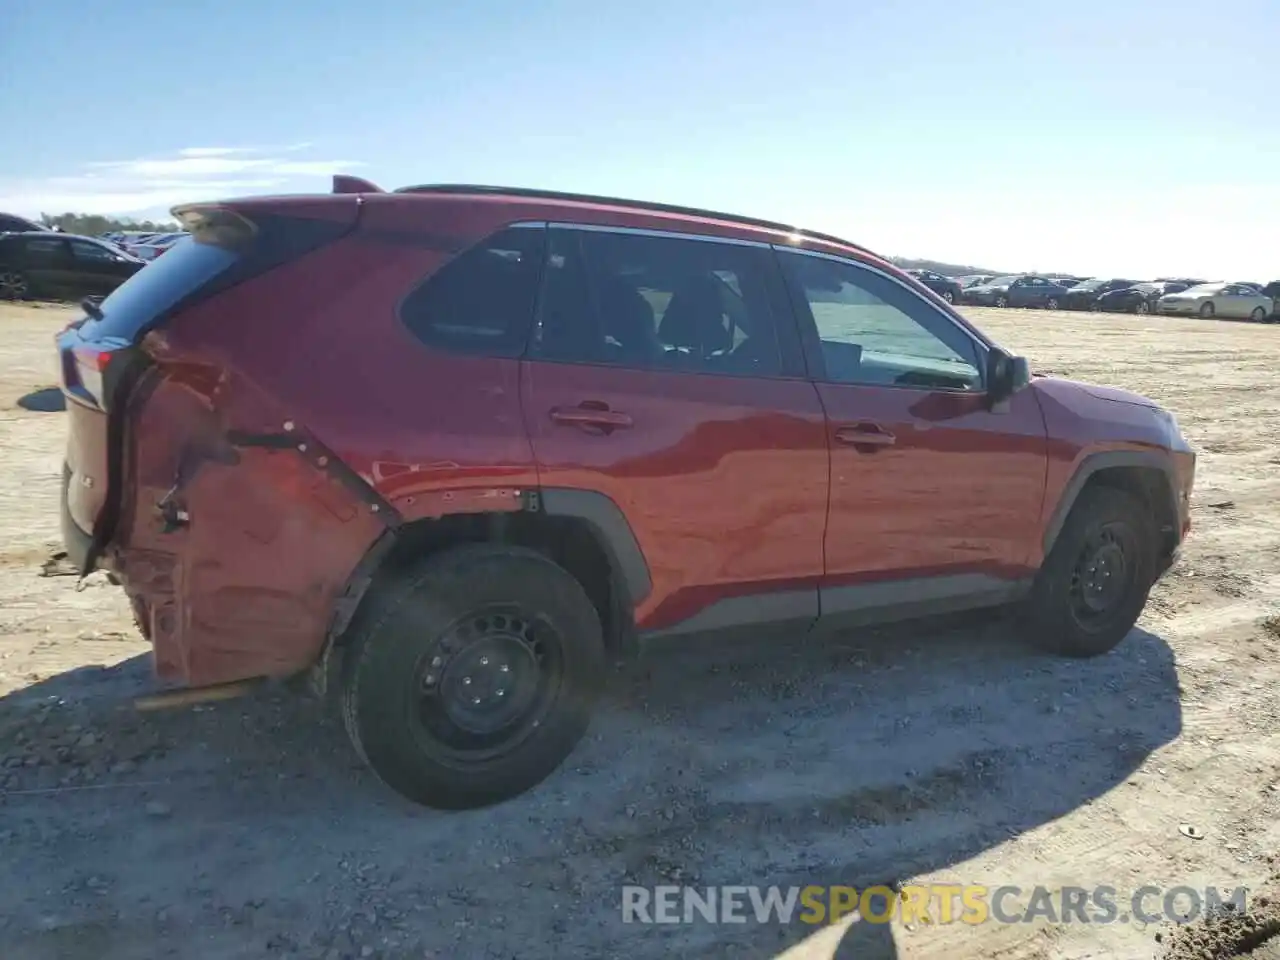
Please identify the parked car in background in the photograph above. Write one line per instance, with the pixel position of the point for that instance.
(1225, 300)
(1016, 291)
(1065, 282)
(1188, 281)
(945, 287)
(972, 280)
(153, 247)
(462, 581)
(11, 223)
(1139, 298)
(60, 265)
(1084, 294)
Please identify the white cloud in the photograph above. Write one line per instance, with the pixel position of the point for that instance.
(148, 185)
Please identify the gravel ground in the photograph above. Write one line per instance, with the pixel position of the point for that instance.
(935, 752)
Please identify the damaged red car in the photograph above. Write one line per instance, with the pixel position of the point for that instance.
(449, 449)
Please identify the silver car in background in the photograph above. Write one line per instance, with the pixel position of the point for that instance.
(1234, 300)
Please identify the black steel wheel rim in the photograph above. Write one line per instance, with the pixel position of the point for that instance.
(485, 684)
(1103, 577)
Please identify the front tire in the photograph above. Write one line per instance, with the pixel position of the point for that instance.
(1206, 310)
(1141, 307)
(1258, 315)
(1094, 582)
(471, 677)
(1002, 301)
(1051, 303)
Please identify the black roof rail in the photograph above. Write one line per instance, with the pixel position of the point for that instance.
(534, 193)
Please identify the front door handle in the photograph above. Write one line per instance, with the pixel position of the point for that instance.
(865, 437)
(591, 415)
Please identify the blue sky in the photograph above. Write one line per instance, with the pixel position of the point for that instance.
(1118, 138)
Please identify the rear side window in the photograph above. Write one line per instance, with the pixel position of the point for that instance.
(481, 301)
(657, 303)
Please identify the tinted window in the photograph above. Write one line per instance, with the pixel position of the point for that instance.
(91, 251)
(872, 330)
(150, 292)
(482, 300)
(44, 249)
(654, 302)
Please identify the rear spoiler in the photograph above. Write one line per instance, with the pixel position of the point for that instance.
(344, 183)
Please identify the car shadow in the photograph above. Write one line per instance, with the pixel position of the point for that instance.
(865, 759)
(46, 400)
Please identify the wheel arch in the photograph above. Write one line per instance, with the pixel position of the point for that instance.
(1145, 474)
(584, 531)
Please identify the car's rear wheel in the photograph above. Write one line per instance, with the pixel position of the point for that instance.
(1141, 307)
(1002, 301)
(948, 296)
(470, 677)
(1051, 303)
(1206, 310)
(1095, 580)
(13, 285)
(1258, 315)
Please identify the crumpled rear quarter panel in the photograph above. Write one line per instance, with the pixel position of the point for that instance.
(247, 587)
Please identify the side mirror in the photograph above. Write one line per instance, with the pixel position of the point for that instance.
(1006, 375)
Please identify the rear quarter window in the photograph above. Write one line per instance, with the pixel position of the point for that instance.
(481, 301)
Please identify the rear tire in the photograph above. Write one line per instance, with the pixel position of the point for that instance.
(1002, 301)
(948, 296)
(1206, 311)
(1094, 582)
(14, 285)
(472, 676)
(1051, 303)
(1142, 307)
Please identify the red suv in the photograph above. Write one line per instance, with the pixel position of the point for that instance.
(449, 449)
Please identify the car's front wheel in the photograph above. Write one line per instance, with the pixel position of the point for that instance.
(1141, 307)
(1002, 301)
(1095, 580)
(1206, 309)
(469, 678)
(949, 296)
(1051, 303)
(1258, 315)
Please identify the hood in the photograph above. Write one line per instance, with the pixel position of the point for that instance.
(1062, 388)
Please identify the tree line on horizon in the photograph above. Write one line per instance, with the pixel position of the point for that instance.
(95, 224)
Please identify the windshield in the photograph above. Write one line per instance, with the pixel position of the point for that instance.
(1093, 284)
(1206, 288)
(1002, 281)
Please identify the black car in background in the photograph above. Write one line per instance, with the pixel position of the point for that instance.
(61, 266)
(1139, 298)
(1022, 290)
(12, 223)
(1085, 294)
(945, 287)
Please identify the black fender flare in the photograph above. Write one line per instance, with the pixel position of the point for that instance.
(1108, 460)
(609, 524)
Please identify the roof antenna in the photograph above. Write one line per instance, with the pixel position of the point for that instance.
(345, 183)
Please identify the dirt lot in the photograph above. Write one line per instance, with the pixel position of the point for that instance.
(939, 752)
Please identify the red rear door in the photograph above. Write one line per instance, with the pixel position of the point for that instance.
(660, 376)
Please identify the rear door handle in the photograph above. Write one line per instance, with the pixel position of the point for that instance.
(865, 435)
(591, 416)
